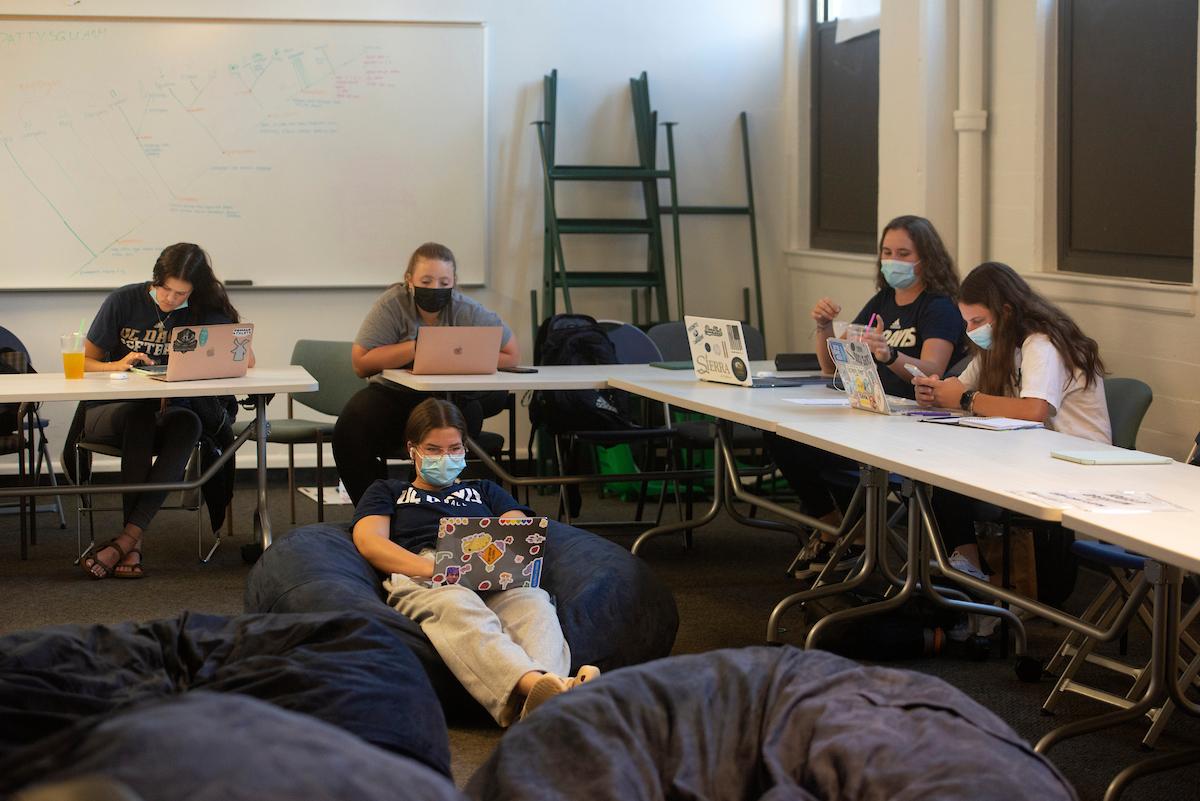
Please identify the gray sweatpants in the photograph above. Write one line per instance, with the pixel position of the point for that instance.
(489, 642)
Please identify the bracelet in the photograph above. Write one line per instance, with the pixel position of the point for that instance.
(892, 360)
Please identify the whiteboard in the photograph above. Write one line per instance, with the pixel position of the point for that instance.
(296, 153)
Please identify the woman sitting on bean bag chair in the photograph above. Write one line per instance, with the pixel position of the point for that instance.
(612, 609)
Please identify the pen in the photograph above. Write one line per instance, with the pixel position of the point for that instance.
(929, 413)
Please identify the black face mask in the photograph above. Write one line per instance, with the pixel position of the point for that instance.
(431, 300)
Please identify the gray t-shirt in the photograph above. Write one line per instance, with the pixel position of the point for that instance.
(395, 318)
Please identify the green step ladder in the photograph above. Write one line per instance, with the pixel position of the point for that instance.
(652, 282)
(555, 276)
(676, 211)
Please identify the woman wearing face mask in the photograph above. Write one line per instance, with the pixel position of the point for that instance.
(915, 322)
(1032, 362)
(372, 423)
(507, 648)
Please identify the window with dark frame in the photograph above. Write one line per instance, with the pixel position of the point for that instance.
(845, 137)
(1127, 137)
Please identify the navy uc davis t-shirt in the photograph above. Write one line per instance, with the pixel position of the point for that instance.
(930, 316)
(416, 512)
(129, 320)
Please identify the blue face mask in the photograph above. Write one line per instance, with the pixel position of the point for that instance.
(982, 336)
(440, 471)
(898, 274)
(154, 298)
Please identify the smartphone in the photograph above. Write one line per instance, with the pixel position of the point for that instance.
(517, 369)
(916, 371)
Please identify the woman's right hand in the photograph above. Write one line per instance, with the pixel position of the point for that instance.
(132, 358)
(825, 312)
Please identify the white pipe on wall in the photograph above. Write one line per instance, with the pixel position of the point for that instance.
(970, 121)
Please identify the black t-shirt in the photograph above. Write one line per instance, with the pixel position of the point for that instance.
(930, 316)
(416, 512)
(129, 320)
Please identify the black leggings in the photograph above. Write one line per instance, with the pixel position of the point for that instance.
(802, 466)
(140, 430)
(371, 428)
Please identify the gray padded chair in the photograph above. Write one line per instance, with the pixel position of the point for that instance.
(329, 363)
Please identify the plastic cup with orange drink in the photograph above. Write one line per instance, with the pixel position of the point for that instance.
(72, 353)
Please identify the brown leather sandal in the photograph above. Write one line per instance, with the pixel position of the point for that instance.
(124, 571)
(92, 561)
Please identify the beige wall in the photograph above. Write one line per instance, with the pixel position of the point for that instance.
(1146, 330)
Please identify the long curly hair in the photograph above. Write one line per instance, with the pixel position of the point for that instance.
(1019, 310)
(937, 268)
(187, 262)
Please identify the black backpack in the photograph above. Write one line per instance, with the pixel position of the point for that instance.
(577, 339)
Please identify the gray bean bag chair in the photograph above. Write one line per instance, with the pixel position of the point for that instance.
(614, 611)
(206, 746)
(58, 683)
(771, 723)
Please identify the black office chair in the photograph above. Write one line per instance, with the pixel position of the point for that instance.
(16, 356)
(632, 346)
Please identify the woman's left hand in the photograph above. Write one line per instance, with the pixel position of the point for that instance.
(877, 342)
(933, 391)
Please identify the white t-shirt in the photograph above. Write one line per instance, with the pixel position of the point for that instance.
(1041, 373)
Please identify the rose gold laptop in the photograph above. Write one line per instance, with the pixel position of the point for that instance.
(203, 351)
(457, 350)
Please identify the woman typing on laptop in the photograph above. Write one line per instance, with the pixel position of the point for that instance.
(507, 649)
(371, 425)
(911, 320)
(134, 327)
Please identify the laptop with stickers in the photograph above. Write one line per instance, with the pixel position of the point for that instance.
(490, 553)
(719, 354)
(203, 351)
(856, 367)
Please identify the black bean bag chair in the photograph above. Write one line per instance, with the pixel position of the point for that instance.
(771, 723)
(345, 669)
(614, 611)
(213, 746)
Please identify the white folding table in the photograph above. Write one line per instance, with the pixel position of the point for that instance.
(258, 383)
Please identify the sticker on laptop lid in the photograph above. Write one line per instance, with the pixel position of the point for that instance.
(243, 332)
(185, 341)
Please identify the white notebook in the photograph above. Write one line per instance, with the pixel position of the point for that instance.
(1119, 456)
(990, 423)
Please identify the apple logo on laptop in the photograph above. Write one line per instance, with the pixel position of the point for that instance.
(458, 351)
(211, 352)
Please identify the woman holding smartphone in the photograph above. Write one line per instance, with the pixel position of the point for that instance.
(911, 322)
(372, 424)
(1032, 362)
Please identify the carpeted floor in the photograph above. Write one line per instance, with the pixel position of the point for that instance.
(725, 586)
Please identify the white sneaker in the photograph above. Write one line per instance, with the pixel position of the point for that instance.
(963, 565)
(987, 626)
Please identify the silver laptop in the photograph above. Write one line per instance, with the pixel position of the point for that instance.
(457, 350)
(203, 351)
(856, 368)
(719, 354)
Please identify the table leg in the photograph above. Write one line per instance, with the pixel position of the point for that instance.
(262, 518)
(709, 516)
(30, 444)
(876, 544)
(873, 482)
(23, 500)
(1160, 577)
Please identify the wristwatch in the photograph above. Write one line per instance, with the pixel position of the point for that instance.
(967, 399)
(892, 360)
